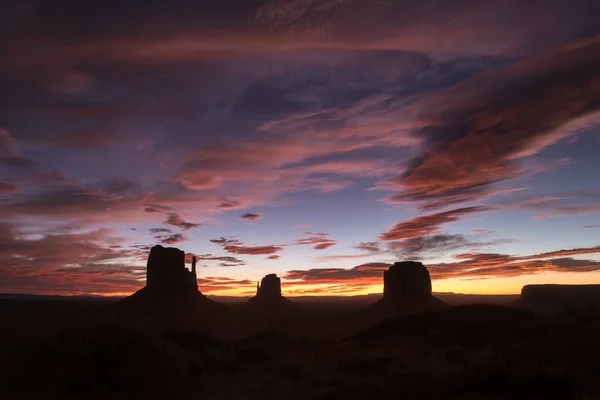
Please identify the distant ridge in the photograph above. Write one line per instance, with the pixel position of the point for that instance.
(449, 297)
(553, 296)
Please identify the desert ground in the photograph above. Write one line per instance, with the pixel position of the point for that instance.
(57, 348)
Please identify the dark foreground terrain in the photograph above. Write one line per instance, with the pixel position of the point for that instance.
(462, 352)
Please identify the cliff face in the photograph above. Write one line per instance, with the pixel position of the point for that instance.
(166, 271)
(408, 280)
(270, 287)
(560, 296)
(268, 299)
(171, 295)
(406, 290)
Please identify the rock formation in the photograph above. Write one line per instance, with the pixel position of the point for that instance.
(406, 290)
(408, 280)
(166, 271)
(560, 297)
(268, 296)
(171, 293)
(269, 288)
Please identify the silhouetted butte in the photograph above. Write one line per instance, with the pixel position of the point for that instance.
(406, 290)
(560, 297)
(268, 297)
(171, 289)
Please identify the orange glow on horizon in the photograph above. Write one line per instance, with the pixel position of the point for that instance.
(366, 286)
(491, 286)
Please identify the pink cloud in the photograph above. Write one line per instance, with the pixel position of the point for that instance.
(319, 240)
(252, 250)
(475, 265)
(6, 188)
(370, 247)
(176, 220)
(68, 263)
(324, 246)
(571, 203)
(427, 225)
(173, 239)
(480, 128)
(237, 247)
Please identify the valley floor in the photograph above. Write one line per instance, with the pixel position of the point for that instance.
(463, 352)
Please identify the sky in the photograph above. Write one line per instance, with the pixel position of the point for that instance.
(321, 140)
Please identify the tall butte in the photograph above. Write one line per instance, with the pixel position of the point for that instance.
(171, 289)
(406, 290)
(268, 297)
(166, 274)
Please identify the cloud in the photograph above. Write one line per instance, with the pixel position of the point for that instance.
(225, 260)
(230, 204)
(355, 168)
(224, 241)
(570, 211)
(468, 26)
(275, 166)
(65, 202)
(8, 146)
(472, 265)
(6, 188)
(235, 246)
(482, 230)
(502, 265)
(176, 220)
(173, 239)
(563, 253)
(328, 289)
(28, 171)
(481, 128)
(555, 205)
(426, 225)
(280, 162)
(339, 275)
(419, 245)
(324, 246)
(67, 263)
(573, 264)
(252, 250)
(338, 257)
(590, 226)
(273, 257)
(319, 240)
(154, 208)
(159, 230)
(166, 236)
(442, 27)
(370, 247)
(93, 201)
(215, 284)
(250, 217)
(468, 88)
(101, 201)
